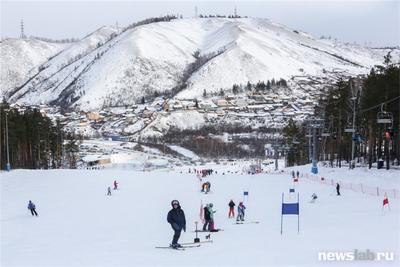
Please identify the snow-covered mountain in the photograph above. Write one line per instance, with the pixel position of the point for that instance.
(110, 69)
(20, 59)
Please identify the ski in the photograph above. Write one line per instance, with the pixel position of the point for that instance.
(207, 231)
(192, 243)
(172, 248)
(246, 222)
(182, 247)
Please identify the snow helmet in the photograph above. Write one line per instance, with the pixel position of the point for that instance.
(174, 202)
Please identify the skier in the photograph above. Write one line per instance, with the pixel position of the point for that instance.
(208, 187)
(32, 208)
(207, 218)
(231, 209)
(338, 189)
(176, 217)
(115, 185)
(109, 191)
(211, 227)
(313, 198)
(298, 174)
(292, 174)
(241, 209)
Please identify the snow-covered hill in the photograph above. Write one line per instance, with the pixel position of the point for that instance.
(20, 59)
(151, 59)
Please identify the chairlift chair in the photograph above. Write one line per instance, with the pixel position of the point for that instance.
(384, 117)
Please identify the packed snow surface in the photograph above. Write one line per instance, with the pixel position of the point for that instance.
(79, 225)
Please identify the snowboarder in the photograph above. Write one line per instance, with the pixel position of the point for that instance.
(313, 198)
(338, 189)
(115, 185)
(109, 191)
(32, 208)
(241, 209)
(231, 209)
(176, 217)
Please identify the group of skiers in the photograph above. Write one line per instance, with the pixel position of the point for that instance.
(295, 174)
(176, 217)
(115, 188)
(202, 173)
(240, 210)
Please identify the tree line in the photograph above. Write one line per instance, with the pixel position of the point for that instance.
(368, 101)
(34, 141)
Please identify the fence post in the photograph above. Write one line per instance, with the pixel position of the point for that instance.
(377, 191)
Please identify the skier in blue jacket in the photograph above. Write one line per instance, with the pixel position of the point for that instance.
(240, 210)
(176, 217)
(32, 208)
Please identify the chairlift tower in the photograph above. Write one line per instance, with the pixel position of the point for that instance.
(315, 124)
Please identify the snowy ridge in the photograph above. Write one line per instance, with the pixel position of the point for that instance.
(20, 59)
(150, 59)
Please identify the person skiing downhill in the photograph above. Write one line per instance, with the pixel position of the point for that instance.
(109, 191)
(313, 198)
(241, 209)
(231, 213)
(338, 189)
(115, 185)
(176, 217)
(32, 208)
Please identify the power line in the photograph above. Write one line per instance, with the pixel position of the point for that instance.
(373, 107)
(386, 102)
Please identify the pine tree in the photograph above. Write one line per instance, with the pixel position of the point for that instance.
(235, 89)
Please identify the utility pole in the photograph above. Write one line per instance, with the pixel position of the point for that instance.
(22, 29)
(353, 134)
(8, 166)
(309, 136)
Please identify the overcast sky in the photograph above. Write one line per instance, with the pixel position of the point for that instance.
(373, 22)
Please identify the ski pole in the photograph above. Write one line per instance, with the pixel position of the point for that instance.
(196, 240)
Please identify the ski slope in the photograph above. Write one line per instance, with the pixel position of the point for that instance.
(78, 225)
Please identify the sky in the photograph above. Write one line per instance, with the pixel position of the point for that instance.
(373, 22)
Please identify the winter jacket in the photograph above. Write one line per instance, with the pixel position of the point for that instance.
(176, 217)
(231, 204)
(31, 206)
(211, 211)
(241, 209)
(207, 215)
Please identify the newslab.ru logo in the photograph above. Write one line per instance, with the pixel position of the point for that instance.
(356, 255)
